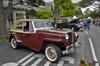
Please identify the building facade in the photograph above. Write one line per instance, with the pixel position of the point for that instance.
(19, 11)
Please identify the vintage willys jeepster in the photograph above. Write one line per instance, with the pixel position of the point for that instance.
(40, 35)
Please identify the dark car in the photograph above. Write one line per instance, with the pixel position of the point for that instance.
(69, 23)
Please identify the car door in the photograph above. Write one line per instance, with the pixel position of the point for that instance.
(17, 31)
(34, 42)
(26, 35)
(22, 34)
(37, 38)
(29, 36)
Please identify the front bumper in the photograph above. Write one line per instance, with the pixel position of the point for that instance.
(72, 48)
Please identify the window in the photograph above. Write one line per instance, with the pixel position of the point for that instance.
(31, 29)
(42, 24)
(28, 26)
(10, 20)
(23, 26)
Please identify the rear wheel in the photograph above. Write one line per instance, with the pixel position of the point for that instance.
(14, 43)
(53, 53)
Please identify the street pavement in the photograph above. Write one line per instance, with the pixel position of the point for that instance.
(26, 57)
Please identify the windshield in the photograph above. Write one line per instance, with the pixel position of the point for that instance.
(43, 24)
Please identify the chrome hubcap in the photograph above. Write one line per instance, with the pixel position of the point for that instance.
(51, 54)
(13, 43)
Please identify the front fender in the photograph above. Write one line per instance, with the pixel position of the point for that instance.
(57, 42)
(53, 39)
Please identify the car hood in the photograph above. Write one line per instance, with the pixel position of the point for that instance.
(55, 31)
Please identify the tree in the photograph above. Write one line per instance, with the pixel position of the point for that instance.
(65, 8)
(44, 14)
(85, 3)
(35, 3)
(69, 9)
(31, 13)
(95, 14)
(6, 11)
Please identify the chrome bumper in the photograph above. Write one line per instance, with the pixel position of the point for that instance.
(72, 48)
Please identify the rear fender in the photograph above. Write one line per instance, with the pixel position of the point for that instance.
(13, 35)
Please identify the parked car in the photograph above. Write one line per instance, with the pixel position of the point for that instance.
(39, 35)
(70, 23)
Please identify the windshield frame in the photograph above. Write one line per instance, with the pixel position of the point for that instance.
(42, 24)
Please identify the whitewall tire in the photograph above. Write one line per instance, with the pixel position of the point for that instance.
(14, 43)
(53, 53)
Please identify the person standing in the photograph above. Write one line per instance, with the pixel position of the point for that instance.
(88, 23)
(85, 24)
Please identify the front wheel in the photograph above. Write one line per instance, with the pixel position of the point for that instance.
(53, 53)
(14, 43)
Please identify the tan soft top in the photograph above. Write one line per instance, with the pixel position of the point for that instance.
(31, 20)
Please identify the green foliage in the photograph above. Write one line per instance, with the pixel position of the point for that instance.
(67, 12)
(44, 14)
(68, 5)
(31, 13)
(66, 8)
(95, 14)
(70, 12)
(3, 37)
(85, 3)
(41, 14)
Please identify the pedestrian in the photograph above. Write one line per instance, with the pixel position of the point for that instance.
(81, 25)
(88, 23)
(96, 22)
(93, 22)
(85, 24)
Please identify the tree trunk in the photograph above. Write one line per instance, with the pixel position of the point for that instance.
(3, 27)
(4, 13)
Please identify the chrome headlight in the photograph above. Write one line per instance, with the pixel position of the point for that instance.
(76, 34)
(66, 36)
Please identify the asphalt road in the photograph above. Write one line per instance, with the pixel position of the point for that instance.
(94, 34)
(26, 57)
(91, 41)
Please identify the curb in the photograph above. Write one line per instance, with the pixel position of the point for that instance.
(3, 40)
